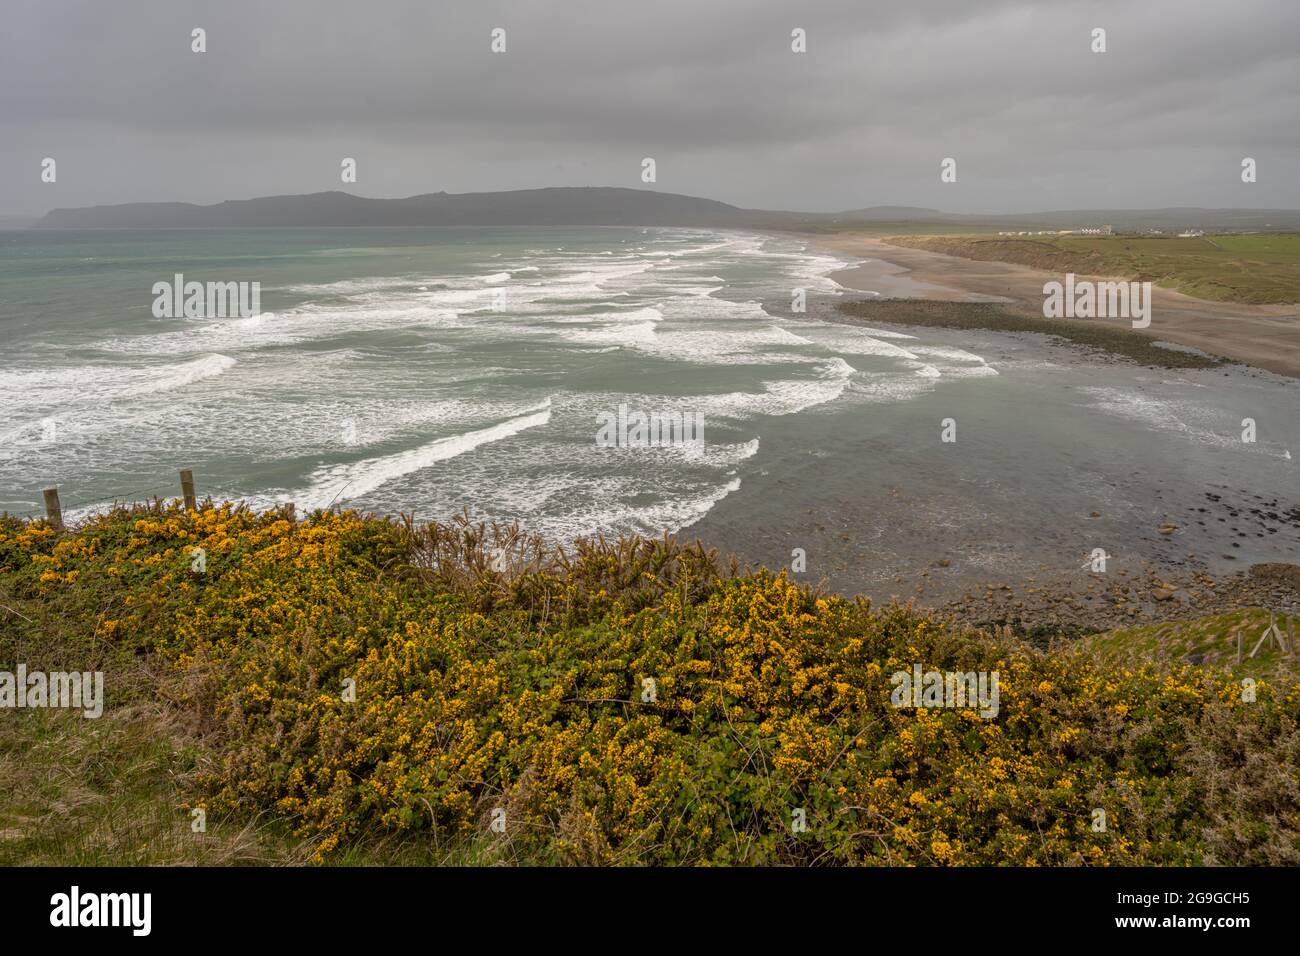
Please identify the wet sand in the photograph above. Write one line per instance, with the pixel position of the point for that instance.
(1265, 336)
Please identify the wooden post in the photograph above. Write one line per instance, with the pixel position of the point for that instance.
(1238, 645)
(187, 489)
(1280, 640)
(53, 513)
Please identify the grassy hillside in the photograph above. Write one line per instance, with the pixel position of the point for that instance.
(630, 702)
(1207, 640)
(1258, 269)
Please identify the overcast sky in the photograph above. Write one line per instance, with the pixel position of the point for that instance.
(709, 88)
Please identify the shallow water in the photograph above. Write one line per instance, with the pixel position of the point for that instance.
(1062, 452)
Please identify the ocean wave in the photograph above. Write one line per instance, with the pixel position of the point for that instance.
(345, 482)
(78, 392)
(789, 338)
(673, 514)
(642, 333)
(786, 397)
(179, 376)
(331, 373)
(621, 516)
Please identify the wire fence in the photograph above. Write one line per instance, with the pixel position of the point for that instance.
(60, 509)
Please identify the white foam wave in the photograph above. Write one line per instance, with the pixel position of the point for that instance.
(179, 376)
(1187, 419)
(784, 397)
(789, 338)
(672, 515)
(642, 333)
(669, 515)
(343, 482)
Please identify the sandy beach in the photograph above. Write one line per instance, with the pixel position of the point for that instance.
(1265, 336)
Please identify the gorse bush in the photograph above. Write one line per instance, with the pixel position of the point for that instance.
(635, 702)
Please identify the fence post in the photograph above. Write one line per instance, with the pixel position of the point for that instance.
(53, 513)
(187, 489)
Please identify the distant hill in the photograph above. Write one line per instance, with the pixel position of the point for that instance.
(611, 206)
(559, 206)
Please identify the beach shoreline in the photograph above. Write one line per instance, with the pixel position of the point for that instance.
(1263, 336)
(1173, 558)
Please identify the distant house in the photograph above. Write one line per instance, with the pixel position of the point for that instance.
(1191, 233)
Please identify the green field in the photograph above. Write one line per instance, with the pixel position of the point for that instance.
(1262, 268)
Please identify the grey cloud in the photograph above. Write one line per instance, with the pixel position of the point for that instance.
(707, 87)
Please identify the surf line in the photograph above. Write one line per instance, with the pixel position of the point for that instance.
(362, 477)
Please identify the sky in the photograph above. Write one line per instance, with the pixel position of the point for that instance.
(710, 89)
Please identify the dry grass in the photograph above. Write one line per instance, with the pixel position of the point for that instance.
(111, 791)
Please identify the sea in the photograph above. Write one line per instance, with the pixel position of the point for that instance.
(438, 372)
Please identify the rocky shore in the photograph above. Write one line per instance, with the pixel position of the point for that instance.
(1041, 608)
